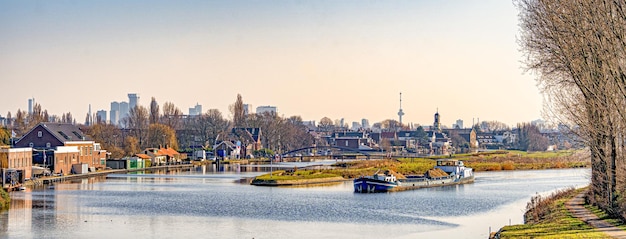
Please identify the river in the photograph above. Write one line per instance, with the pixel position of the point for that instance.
(208, 204)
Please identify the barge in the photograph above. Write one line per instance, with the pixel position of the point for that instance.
(446, 172)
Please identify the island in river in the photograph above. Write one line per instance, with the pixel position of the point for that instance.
(481, 161)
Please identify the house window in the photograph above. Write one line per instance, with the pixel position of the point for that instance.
(48, 145)
(31, 144)
(39, 134)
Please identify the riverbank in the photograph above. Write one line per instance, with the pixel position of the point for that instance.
(299, 177)
(563, 214)
(480, 162)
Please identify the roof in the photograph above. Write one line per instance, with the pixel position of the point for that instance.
(62, 131)
(353, 134)
(168, 151)
(227, 143)
(254, 133)
(143, 156)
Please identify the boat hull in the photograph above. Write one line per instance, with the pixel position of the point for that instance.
(369, 185)
(409, 184)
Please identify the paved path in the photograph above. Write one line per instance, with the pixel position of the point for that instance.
(576, 206)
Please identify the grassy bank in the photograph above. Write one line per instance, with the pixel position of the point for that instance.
(296, 175)
(483, 161)
(5, 200)
(547, 217)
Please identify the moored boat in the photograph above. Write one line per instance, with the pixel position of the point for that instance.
(376, 183)
(446, 172)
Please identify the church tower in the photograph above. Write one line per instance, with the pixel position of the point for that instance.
(437, 123)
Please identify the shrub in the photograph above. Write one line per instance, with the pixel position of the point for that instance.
(508, 165)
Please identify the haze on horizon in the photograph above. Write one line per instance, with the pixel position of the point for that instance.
(336, 59)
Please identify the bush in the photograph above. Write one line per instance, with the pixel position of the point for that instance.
(5, 200)
(541, 206)
(508, 165)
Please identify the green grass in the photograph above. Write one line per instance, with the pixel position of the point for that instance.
(297, 175)
(558, 223)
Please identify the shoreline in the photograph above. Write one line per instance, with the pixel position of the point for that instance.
(295, 182)
(49, 180)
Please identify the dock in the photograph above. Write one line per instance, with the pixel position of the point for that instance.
(49, 180)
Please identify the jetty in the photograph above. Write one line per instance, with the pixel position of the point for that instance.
(49, 180)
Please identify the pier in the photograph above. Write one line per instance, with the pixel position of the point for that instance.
(49, 180)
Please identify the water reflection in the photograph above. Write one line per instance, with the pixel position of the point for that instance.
(193, 202)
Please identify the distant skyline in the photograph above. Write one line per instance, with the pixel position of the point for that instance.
(336, 59)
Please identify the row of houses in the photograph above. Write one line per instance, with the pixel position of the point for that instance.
(61, 149)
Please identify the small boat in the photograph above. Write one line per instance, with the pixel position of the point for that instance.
(446, 172)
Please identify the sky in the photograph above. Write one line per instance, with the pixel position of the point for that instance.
(336, 59)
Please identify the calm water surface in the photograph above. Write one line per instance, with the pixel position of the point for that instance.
(206, 204)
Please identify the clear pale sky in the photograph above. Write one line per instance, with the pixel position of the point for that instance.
(340, 59)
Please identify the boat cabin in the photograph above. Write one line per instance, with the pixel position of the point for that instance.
(450, 166)
(385, 177)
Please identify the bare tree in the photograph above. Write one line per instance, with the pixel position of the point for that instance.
(154, 111)
(577, 48)
(237, 110)
(137, 122)
(326, 124)
(171, 115)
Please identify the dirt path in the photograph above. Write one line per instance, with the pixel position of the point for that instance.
(576, 206)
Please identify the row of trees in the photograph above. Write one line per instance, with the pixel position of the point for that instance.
(577, 48)
(149, 127)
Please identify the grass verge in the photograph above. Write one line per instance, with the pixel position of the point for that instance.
(297, 175)
(551, 220)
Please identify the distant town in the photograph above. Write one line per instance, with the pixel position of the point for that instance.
(131, 135)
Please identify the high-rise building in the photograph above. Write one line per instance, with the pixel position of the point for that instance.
(101, 116)
(365, 123)
(267, 108)
(247, 109)
(31, 102)
(459, 124)
(133, 100)
(89, 119)
(196, 110)
(114, 113)
(355, 126)
(123, 111)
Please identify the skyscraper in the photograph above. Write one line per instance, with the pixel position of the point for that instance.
(365, 123)
(115, 113)
(101, 116)
(459, 123)
(133, 100)
(31, 102)
(196, 110)
(123, 111)
(247, 109)
(263, 109)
